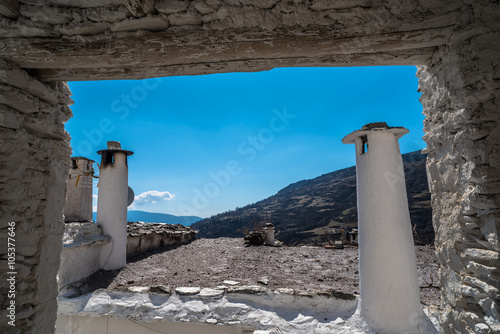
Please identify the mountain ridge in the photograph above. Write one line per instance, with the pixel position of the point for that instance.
(156, 217)
(305, 211)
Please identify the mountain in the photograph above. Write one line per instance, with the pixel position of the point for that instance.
(152, 217)
(305, 211)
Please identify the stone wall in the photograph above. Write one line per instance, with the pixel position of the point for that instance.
(83, 244)
(237, 309)
(144, 237)
(462, 124)
(33, 172)
(82, 247)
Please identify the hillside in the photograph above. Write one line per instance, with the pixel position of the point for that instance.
(153, 217)
(304, 210)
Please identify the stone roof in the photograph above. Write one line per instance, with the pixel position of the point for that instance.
(141, 228)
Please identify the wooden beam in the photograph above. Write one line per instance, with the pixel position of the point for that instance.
(151, 51)
(412, 57)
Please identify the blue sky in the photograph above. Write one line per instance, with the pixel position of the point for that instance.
(208, 144)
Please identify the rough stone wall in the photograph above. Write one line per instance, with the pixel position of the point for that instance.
(461, 102)
(33, 172)
(144, 237)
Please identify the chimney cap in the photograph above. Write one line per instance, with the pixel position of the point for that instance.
(376, 125)
(398, 131)
(115, 146)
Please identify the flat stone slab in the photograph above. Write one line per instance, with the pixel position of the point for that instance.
(207, 293)
(161, 289)
(251, 289)
(138, 289)
(285, 291)
(229, 282)
(186, 291)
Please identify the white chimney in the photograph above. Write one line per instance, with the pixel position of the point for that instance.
(269, 234)
(79, 190)
(112, 204)
(389, 292)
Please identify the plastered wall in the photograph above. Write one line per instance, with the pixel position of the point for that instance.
(33, 172)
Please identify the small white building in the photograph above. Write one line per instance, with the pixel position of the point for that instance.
(389, 291)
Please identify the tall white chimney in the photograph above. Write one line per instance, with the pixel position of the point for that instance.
(389, 291)
(112, 204)
(79, 190)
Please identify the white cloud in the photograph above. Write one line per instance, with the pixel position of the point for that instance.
(152, 196)
(94, 203)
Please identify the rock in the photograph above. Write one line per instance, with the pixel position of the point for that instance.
(140, 8)
(263, 281)
(229, 282)
(161, 289)
(285, 291)
(251, 289)
(170, 7)
(138, 289)
(321, 5)
(489, 289)
(482, 328)
(306, 294)
(481, 254)
(191, 17)
(187, 291)
(107, 15)
(151, 23)
(84, 29)
(203, 8)
(9, 119)
(208, 293)
(220, 14)
(301, 319)
(46, 14)
(10, 9)
(264, 4)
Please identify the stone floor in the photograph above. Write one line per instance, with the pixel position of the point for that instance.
(210, 263)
